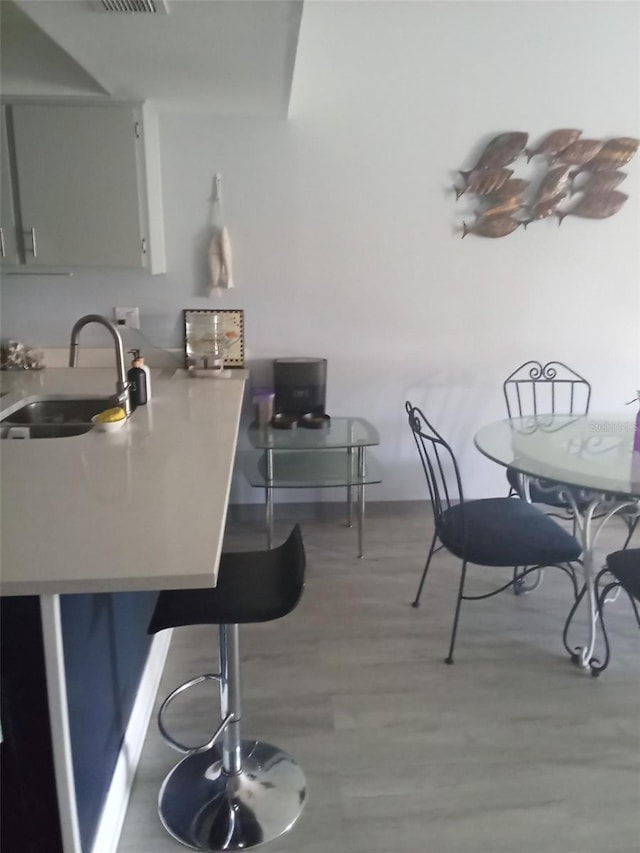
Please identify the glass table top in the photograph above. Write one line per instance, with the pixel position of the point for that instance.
(337, 433)
(589, 451)
(295, 470)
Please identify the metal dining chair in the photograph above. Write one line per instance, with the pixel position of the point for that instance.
(536, 389)
(499, 532)
(621, 571)
(533, 390)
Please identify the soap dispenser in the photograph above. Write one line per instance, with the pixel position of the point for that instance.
(137, 380)
(147, 373)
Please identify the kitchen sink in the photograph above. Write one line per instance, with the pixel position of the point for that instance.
(16, 431)
(59, 410)
(53, 417)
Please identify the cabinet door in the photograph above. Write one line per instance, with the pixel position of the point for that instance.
(8, 246)
(78, 183)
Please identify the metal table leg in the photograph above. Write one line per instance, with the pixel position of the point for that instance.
(268, 498)
(361, 472)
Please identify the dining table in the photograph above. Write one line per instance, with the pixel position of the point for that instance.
(591, 458)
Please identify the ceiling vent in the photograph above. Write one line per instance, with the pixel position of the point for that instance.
(154, 7)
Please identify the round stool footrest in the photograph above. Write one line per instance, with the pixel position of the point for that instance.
(181, 747)
(207, 810)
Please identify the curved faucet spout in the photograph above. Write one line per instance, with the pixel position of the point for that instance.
(122, 386)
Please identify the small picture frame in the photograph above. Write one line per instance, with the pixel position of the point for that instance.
(199, 324)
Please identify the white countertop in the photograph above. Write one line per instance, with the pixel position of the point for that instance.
(141, 508)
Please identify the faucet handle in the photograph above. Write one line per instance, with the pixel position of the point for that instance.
(123, 396)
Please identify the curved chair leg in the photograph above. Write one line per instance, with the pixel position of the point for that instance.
(631, 525)
(594, 664)
(416, 601)
(236, 796)
(575, 656)
(519, 587)
(454, 630)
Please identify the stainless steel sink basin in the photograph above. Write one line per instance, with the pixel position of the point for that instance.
(53, 417)
(59, 410)
(17, 431)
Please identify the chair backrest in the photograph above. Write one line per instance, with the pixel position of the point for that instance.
(552, 388)
(438, 462)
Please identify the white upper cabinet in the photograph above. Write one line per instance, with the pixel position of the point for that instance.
(82, 179)
(8, 247)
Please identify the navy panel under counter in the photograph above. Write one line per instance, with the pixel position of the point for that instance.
(105, 648)
(29, 807)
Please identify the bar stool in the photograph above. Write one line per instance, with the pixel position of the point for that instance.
(624, 569)
(229, 793)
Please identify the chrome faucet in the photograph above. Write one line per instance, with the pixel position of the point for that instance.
(122, 386)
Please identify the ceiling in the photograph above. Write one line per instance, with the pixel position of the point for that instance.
(231, 57)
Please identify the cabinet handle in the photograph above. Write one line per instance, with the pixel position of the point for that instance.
(2, 251)
(34, 247)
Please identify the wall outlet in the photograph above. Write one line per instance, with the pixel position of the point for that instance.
(129, 317)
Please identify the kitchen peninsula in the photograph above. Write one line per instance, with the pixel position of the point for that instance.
(90, 521)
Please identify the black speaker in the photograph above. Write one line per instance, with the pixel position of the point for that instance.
(300, 386)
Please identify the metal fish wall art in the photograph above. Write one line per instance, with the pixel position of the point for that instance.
(544, 209)
(596, 205)
(597, 182)
(614, 153)
(494, 226)
(579, 152)
(501, 151)
(514, 188)
(556, 182)
(483, 181)
(581, 179)
(554, 142)
(510, 207)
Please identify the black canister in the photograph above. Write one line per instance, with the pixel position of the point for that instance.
(300, 385)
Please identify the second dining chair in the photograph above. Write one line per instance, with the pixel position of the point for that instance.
(500, 532)
(534, 390)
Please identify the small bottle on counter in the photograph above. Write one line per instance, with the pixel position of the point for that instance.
(138, 381)
(147, 373)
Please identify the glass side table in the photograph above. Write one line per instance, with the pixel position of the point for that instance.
(335, 455)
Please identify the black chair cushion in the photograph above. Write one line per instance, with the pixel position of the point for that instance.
(253, 586)
(547, 492)
(625, 567)
(505, 532)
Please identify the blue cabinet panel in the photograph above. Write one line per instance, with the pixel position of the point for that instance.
(105, 648)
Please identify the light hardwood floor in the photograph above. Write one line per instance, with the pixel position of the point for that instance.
(511, 750)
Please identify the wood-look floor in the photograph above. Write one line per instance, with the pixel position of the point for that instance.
(511, 750)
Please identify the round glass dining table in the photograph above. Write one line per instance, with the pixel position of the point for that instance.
(593, 454)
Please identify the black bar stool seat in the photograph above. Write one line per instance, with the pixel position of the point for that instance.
(229, 793)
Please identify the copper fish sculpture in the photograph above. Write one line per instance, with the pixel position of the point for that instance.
(509, 206)
(597, 182)
(614, 153)
(514, 188)
(579, 152)
(494, 226)
(554, 143)
(543, 209)
(596, 206)
(501, 151)
(555, 182)
(483, 181)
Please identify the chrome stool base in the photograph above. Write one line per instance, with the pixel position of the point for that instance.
(205, 809)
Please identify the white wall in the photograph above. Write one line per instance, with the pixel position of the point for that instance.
(346, 231)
